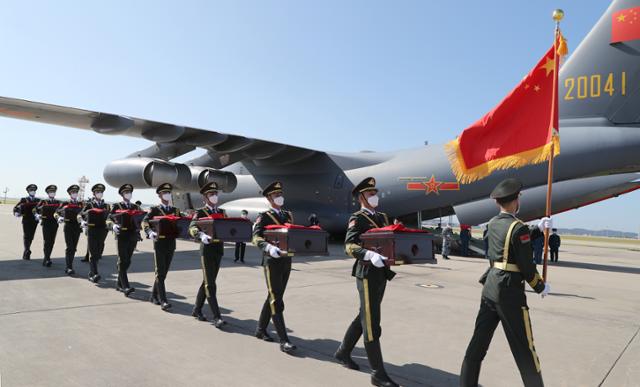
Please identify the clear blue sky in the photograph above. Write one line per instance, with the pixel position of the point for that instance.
(329, 75)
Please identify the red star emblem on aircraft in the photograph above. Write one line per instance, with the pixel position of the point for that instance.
(430, 185)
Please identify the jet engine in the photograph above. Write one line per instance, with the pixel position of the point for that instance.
(143, 172)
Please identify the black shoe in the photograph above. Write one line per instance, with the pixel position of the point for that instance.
(68, 271)
(346, 360)
(26, 255)
(154, 300)
(198, 315)
(242, 261)
(218, 322)
(119, 289)
(165, 306)
(128, 291)
(84, 260)
(96, 278)
(235, 260)
(263, 335)
(445, 257)
(383, 382)
(49, 262)
(91, 278)
(287, 347)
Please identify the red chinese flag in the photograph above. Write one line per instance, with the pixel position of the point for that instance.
(517, 132)
(625, 25)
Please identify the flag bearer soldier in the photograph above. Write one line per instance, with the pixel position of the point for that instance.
(164, 247)
(210, 255)
(503, 295)
(127, 238)
(71, 228)
(96, 232)
(277, 267)
(29, 222)
(49, 222)
(371, 280)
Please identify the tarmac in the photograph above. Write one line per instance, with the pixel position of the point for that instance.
(62, 331)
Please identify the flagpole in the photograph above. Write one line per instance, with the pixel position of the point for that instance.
(558, 14)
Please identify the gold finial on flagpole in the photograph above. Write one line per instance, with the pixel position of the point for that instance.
(558, 15)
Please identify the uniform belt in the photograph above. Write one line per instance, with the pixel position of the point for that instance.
(506, 266)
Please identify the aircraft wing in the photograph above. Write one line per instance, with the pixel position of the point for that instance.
(171, 140)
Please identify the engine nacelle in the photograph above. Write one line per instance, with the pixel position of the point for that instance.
(143, 172)
(227, 181)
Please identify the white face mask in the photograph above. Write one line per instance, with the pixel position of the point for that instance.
(52, 194)
(213, 199)
(166, 197)
(98, 195)
(279, 201)
(127, 196)
(373, 201)
(74, 196)
(32, 193)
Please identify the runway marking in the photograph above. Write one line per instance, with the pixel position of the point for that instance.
(619, 357)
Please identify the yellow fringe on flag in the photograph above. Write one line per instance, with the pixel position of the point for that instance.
(518, 160)
(563, 49)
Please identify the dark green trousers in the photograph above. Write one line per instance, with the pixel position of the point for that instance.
(163, 254)
(210, 259)
(367, 322)
(71, 236)
(517, 326)
(95, 240)
(28, 232)
(127, 242)
(49, 232)
(276, 274)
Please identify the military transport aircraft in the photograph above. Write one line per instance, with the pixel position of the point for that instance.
(600, 152)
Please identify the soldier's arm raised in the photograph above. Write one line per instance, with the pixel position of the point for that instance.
(523, 254)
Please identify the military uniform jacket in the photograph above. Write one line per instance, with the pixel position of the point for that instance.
(504, 280)
(119, 207)
(26, 217)
(160, 210)
(268, 218)
(217, 247)
(359, 223)
(47, 202)
(60, 212)
(91, 204)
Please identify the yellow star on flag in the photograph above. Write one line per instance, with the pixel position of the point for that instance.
(550, 65)
(621, 17)
(536, 88)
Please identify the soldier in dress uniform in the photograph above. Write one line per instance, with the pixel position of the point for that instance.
(371, 279)
(127, 238)
(211, 252)
(49, 222)
(163, 247)
(503, 295)
(277, 267)
(71, 228)
(96, 232)
(29, 223)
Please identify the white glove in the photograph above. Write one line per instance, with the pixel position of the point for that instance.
(545, 223)
(153, 236)
(376, 259)
(204, 238)
(545, 292)
(17, 214)
(273, 251)
(116, 228)
(60, 219)
(36, 217)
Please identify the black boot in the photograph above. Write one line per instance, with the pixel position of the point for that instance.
(351, 337)
(470, 373)
(379, 376)
(26, 255)
(281, 329)
(197, 313)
